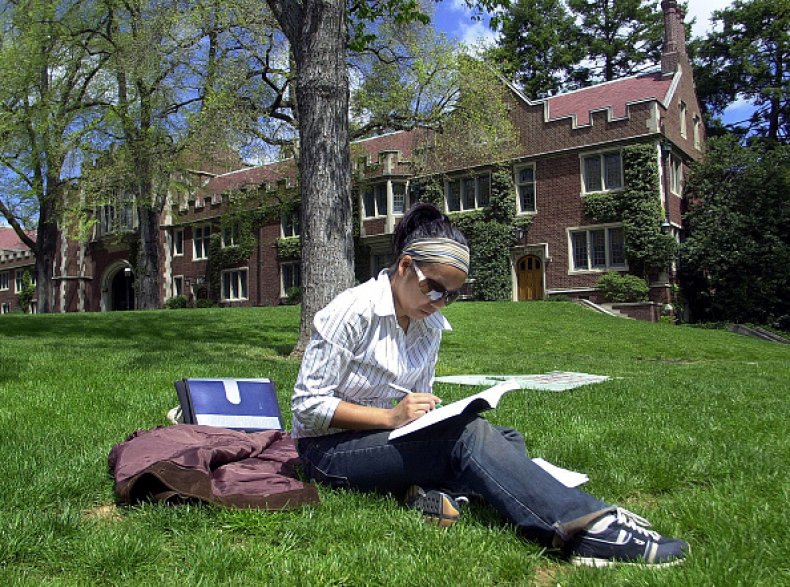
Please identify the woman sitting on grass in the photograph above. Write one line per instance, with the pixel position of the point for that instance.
(387, 331)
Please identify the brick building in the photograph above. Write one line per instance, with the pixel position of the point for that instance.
(569, 145)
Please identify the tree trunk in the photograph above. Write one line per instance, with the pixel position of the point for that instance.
(147, 262)
(46, 245)
(325, 163)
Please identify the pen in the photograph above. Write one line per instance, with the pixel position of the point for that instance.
(407, 391)
(399, 388)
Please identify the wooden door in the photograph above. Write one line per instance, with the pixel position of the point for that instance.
(529, 274)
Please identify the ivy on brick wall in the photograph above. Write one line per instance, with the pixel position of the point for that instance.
(490, 234)
(638, 206)
(289, 248)
(248, 219)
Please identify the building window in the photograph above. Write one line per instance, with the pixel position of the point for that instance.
(675, 175)
(230, 235)
(200, 241)
(398, 198)
(682, 114)
(468, 193)
(178, 242)
(603, 172)
(597, 249)
(289, 224)
(375, 200)
(291, 275)
(525, 185)
(5, 308)
(234, 284)
(19, 279)
(34, 307)
(3, 280)
(178, 285)
(117, 218)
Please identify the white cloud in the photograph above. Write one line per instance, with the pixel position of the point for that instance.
(702, 11)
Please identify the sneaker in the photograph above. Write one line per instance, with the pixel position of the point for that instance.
(623, 537)
(436, 506)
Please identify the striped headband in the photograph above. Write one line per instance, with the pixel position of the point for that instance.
(439, 250)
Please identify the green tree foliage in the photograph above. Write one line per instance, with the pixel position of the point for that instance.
(748, 56)
(49, 96)
(736, 259)
(618, 37)
(534, 47)
(409, 78)
(28, 292)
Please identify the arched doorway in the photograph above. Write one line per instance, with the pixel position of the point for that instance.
(529, 275)
(118, 288)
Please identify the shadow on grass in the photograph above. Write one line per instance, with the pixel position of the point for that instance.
(163, 330)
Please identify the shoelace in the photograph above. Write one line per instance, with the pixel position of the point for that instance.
(636, 523)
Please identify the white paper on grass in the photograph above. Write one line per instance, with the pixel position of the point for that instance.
(552, 381)
(565, 476)
(490, 396)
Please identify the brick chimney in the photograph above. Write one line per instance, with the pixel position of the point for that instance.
(674, 36)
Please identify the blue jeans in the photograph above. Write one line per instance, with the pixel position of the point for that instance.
(465, 454)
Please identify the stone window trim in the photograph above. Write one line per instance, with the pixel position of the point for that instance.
(178, 242)
(478, 182)
(534, 183)
(606, 186)
(201, 233)
(234, 284)
(592, 267)
(290, 276)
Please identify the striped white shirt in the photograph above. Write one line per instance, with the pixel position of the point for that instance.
(356, 351)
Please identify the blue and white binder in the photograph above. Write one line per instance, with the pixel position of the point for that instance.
(238, 404)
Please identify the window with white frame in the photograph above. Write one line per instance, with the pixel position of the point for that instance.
(675, 175)
(178, 285)
(468, 193)
(597, 248)
(234, 284)
(525, 186)
(398, 198)
(289, 224)
(3, 280)
(230, 235)
(374, 200)
(200, 242)
(291, 275)
(602, 171)
(5, 308)
(178, 242)
(682, 113)
(34, 307)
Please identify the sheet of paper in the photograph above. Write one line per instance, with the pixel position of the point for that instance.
(491, 395)
(565, 476)
(552, 381)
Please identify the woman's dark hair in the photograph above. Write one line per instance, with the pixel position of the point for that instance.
(424, 221)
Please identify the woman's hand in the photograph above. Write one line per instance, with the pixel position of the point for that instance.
(411, 407)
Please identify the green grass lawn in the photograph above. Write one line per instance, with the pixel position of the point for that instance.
(691, 432)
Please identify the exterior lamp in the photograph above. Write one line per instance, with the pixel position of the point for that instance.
(666, 227)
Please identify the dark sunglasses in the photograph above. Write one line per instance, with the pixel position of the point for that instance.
(433, 291)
